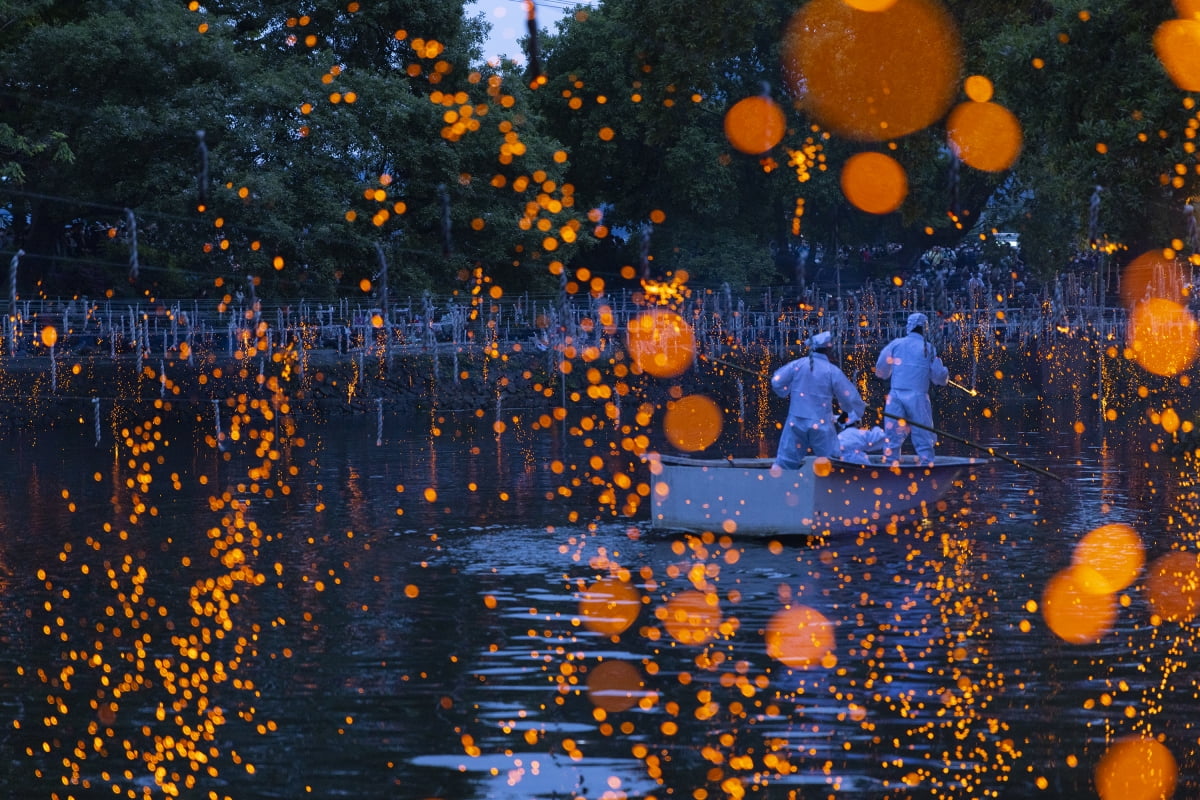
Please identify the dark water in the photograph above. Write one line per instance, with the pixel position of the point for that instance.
(279, 620)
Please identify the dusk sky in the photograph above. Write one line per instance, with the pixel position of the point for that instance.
(508, 23)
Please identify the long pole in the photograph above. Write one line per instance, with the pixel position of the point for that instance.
(991, 451)
(957, 385)
(730, 365)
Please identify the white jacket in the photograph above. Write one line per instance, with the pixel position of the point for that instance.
(912, 363)
(812, 383)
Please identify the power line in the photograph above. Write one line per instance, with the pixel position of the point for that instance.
(562, 5)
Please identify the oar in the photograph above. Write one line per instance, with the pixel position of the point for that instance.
(989, 450)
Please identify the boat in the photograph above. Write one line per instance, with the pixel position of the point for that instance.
(750, 497)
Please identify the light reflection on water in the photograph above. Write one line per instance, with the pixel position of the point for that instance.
(441, 653)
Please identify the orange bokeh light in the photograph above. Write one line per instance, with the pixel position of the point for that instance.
(691, 617)
(1163, 336)
(801, 637)
(1173, 586)
(986, 136)
(1136, 768)
(978, 88)
(873, 75)
(754, 125)
(610, 606)
(661, 343)
(1188, 9)
(1176, 43)
(49, 336)
(874, 182)
(1151, 275)
(1113, 555)
(616, 686)
(693, 422)
(870, 5)
(1073, 613)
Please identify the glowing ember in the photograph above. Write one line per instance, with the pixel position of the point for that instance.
(871, 5)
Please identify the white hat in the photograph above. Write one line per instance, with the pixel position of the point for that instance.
(820, 340)
(916, 320)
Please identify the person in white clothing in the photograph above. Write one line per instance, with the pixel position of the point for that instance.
(813, 383)
(912, 364)
(856, 443)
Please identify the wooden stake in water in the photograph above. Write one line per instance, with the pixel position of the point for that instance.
(378, 421)
(96, 418)
(12, 300)
(217, 422)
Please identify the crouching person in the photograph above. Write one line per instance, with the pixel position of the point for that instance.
(858, 443)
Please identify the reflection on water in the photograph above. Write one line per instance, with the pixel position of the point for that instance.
(436, 617)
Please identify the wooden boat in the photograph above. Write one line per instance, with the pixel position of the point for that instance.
(746, 496)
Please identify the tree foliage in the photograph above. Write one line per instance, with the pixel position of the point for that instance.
(1098, 111)
(242, 142)
(358, 135)
(661, 75)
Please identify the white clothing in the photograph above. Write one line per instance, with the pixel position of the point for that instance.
(912, 364)
(857, 442)
(813, 383)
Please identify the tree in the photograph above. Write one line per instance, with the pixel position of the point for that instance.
(240, 140)
(1097, 111)
(668, 72)
(637, 91)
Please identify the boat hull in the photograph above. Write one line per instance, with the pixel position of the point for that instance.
(752, 498)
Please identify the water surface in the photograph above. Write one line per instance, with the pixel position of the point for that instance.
(397, 608)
